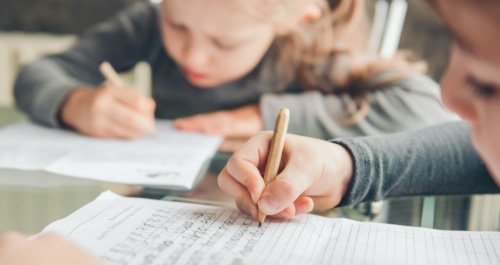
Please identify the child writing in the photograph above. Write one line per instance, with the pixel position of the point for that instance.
(437, 160)
(227, 67)
(476, 103)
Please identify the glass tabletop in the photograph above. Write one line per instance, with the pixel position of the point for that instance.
(30, 200)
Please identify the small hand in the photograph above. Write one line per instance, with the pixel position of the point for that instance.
(314, 174)
(109, 112)
(239, 123)
(47, 249)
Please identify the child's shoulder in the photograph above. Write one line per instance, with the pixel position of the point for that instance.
(142, 11)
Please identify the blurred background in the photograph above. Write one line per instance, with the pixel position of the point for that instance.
(30, 29)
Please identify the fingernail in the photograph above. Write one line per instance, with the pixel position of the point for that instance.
(268, 204)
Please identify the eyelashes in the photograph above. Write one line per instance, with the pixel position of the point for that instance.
(482, 89)
(224, 46)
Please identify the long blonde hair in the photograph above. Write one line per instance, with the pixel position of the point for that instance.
(330, 54)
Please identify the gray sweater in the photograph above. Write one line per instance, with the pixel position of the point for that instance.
(134, 35)
(434, 161)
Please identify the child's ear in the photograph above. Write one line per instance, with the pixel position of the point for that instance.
(311, 13)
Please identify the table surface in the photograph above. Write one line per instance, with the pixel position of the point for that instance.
(30, 200)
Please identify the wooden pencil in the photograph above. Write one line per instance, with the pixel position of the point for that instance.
(275, 152)
(110, 74)
(114, 79)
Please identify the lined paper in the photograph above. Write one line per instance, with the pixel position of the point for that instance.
(169, 158)
(141, 231)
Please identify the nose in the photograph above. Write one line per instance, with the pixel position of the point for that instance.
(455, 93)
(196, 56)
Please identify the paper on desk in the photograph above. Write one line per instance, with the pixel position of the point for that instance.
(169, 158)
(140, 231)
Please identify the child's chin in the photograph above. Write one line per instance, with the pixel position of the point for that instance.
(205, 84)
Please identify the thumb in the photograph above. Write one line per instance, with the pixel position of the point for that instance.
(284, 190)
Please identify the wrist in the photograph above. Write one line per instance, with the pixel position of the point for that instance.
(66, 113)
(345, 165)
(337, 173)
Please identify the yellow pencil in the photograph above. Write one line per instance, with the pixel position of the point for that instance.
(275, 152)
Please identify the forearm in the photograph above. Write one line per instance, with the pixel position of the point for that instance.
(41, 89)
(410, 104)
(434, 161)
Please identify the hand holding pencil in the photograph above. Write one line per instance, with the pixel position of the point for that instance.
(275, 152)
(110, 111)
(310, 174)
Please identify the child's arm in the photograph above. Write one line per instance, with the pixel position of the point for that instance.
(411, 103)
(319, 174)
(44, 87)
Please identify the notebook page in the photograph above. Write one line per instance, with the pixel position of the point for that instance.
(169, 158)
(142, 231)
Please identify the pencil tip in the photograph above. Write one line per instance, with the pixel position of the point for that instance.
(260, 224)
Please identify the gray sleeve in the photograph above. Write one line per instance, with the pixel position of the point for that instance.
(412, 103)
(437, 160)
(42, 86)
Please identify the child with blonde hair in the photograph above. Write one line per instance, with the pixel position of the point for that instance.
(227, 67)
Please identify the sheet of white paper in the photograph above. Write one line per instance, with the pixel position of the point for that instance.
(140, 231)
(169, 158)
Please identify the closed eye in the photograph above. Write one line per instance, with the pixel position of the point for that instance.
(480, 88)
(176, 26)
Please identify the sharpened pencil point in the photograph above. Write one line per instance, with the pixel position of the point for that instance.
(260, 224)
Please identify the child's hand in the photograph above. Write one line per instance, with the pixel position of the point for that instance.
(15, 249)
(109, 112)
(239, 123)
(314, 174)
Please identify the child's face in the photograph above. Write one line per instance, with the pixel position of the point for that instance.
(215, 41)
(471, 85)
